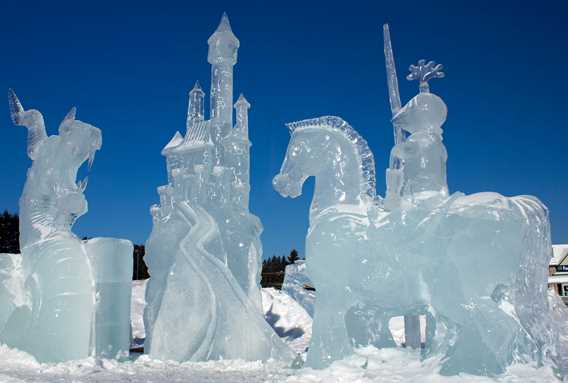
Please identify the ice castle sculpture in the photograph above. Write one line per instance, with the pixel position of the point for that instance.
(63, 298)
(204, 252)
(475, 264)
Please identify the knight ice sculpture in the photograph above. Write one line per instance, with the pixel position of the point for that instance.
(204, 252)
(63, 298)
(475, 264)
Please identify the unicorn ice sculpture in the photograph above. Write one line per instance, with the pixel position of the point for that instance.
(204, 252)
(475, 264)
(63, 298)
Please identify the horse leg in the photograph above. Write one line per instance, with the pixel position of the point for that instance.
(484, 344)
(330, 341)
(385, 337)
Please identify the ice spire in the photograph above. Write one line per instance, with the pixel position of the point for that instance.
(223, 43)
(222, 56)
(392, 80)
(195, 110)
(242, 106)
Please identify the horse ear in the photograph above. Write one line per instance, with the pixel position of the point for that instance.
(70, 116)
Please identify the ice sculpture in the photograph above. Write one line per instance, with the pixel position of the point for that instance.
(475, 264)
(63, 298)
(297, 285)
(204, 252)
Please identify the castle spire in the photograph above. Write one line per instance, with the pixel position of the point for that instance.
(242, 106)
(223, 47)
(195, 109)
(223, 43)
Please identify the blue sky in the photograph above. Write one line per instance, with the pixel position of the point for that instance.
(128, 68)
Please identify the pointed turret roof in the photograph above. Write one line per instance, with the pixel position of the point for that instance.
(224, 24)
(196, 88)
(223, 30)
(223, 43)
(175, 141)
(242, 101)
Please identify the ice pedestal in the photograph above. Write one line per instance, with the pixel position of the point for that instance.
(12, 293)
(89, 314)
(111, 262)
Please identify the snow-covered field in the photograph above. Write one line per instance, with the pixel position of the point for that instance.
(291, 321)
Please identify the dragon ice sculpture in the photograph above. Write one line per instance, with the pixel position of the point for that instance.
(68, 298)
(476, 265)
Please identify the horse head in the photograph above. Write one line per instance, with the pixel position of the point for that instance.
(304, 158)
(329, 149)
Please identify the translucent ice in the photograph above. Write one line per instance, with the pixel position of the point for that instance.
(56, 293)
(111, 263)
(204, 252)
(12, 293)
(476, 265)
(298, 285)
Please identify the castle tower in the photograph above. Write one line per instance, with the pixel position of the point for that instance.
(195, 109)
(242, 106)
(236, 146)
(223, 47)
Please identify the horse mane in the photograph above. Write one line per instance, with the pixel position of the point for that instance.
(366, 158)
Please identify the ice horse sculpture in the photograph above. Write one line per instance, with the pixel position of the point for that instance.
(476, 264)
(204, 252)
(63, 298)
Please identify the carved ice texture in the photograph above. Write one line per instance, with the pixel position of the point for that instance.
(297, 285)
(204, 252)
(62, 298)
(475, 265)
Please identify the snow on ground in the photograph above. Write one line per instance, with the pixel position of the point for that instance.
(291, 321)
(287, 318)
(137, 309)
(386, 366)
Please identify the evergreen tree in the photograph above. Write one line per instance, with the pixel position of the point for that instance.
(9, 233)
(140, 270)
(293, 257)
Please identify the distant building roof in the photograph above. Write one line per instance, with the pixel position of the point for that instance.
(560, 252)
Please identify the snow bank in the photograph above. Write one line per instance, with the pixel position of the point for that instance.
(287, 318)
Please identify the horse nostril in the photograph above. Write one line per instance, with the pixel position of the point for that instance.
(276, 180)
(279, 181)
